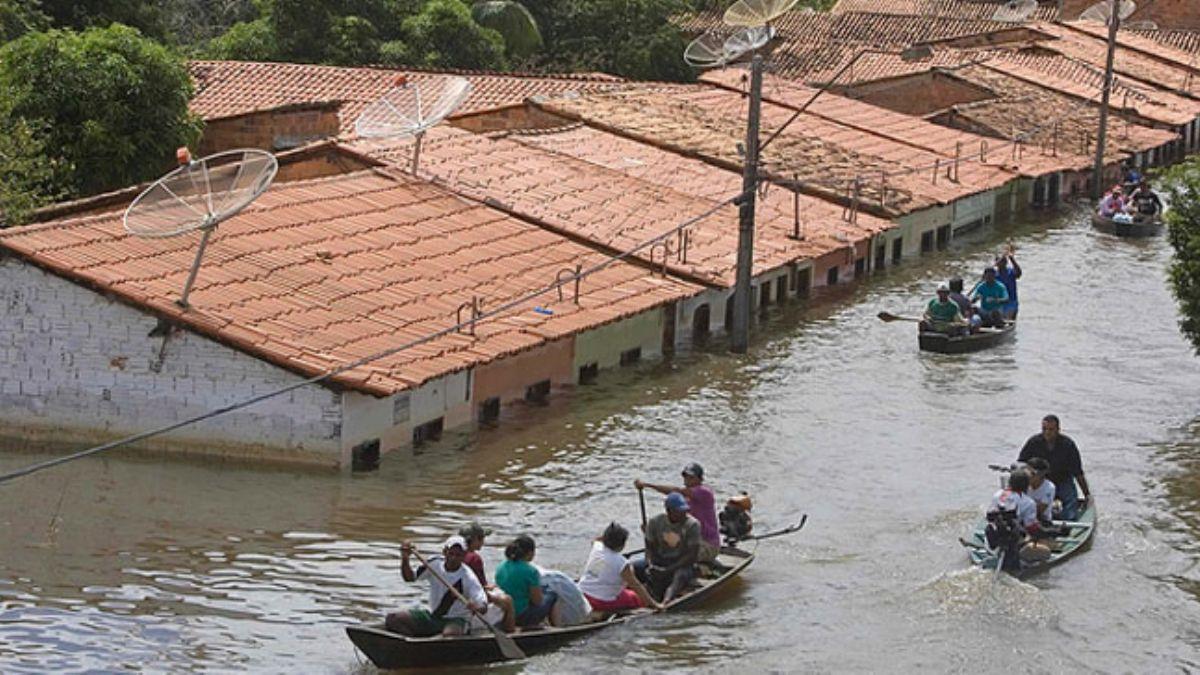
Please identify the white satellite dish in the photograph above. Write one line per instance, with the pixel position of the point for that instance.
(757, 12)
(411, 109)
(1015, 11)
(747, 40)
(199, 195)
(1101, 12)
(706, 51)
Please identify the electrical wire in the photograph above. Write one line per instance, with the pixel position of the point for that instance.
(316, 379)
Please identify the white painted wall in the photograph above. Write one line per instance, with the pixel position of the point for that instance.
(391, 419)
(77, 367)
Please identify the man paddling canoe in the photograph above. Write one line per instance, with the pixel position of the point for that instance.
(446, 614)
(702, 505)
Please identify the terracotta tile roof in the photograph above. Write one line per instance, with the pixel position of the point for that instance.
(865, 27)
(1183, 40)
(317, 274)
(1080, 79)
(822, 223)
(1032, 111)
(955, 9)
(902, 128)
(1128, 63)
(1133, 41)
(601, 206)
(232, 88)
(825, 157)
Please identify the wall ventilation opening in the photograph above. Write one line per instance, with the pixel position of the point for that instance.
(831, 276)
(538, 392)
(631, 356)
(427, 432)
(897, 250)
(489, 411)
(589, 373)
(365, 456)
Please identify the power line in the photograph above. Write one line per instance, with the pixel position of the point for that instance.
(316, 379)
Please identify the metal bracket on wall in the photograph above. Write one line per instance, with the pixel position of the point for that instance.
(165, 330)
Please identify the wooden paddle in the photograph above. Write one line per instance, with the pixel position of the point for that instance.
(888, 317)
(508, 647)
(642, 500)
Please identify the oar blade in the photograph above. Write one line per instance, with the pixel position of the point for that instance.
(508, 646)
(887, 317)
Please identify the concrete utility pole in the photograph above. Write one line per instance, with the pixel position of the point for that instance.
(1114, 22)
(740, 337)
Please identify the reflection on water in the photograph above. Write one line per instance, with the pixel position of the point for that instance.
(142, 563)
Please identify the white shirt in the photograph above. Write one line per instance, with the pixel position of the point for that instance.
(1026, 508)
(1043, 496)
(471, 589)
(602, 574)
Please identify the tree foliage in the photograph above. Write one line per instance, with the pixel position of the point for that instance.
(443, 34)
(1183, 221)
(113, 104)
(28, 177)
(18, 17)
(147, 17)
(516, 25)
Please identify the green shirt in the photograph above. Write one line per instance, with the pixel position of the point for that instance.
(672, 541)
(517, 577)
(944, 312)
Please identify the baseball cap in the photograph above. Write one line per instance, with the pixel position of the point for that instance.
(943, 287)
(676, 502)
(694, 469)
(473, 529)
(455, 541)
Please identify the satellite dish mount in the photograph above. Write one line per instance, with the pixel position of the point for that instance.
(200, 195)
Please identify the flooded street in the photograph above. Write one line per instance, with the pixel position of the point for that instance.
(132, 562)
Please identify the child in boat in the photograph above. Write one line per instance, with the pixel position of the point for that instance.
(609, 582)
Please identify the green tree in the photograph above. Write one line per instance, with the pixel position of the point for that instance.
(443, 34)
(113, 104)
(147, 17)
(18, 17)
(1183, 222)
(354, 40)
(245, 41)
(516, 25)
(28, 178)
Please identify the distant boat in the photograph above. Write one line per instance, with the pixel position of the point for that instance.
(1137, 228)
(961, 344)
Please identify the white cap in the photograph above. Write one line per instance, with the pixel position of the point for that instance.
(455, 541)
(943, 287)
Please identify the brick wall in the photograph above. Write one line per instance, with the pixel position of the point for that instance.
(76, 367)
(507, 119)
(272, 130)
(919, 94)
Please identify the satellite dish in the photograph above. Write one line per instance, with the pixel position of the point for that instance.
(1101, 12)
(199, 195)
(757, 12)
(1015, 11)
(411, 109)
(747, 40)
(706, 51)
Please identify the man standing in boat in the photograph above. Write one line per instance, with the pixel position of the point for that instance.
(1065, 465)
(1007, 273)
(702, 505)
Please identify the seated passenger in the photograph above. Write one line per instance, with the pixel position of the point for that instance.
(446, 614)
(992, 297)
(1014, 498)
(474, 534)
(672, 550)
(1112, 203)
(1144, 203)
(571, 606)
(1041, 490)
(942, 315)
(609, 582)
(964, 305)
(517, 577)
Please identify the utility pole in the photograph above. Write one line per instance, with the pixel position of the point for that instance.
(740, 338)
(1114, 22)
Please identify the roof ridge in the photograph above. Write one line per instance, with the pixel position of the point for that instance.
(379, 67)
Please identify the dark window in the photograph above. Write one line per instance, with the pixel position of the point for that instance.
(780, 289)
(764, 293)
(631, 356)
(943, 237)
(927, 241)
(831, 275)
(429, 431)
(803, 282)
(700, 324)
(588, 373)
(365, 456)
(538, 392)
(729, 314)
(860, 267)
(489, 410)
(897, 249)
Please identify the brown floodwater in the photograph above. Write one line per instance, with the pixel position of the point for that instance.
(123, 562)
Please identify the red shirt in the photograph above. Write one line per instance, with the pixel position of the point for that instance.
(475, 561)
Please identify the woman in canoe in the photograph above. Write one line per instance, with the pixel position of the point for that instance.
(521, 580)
(608, 581)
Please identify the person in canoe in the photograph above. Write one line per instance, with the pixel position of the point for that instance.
(475, 534)
(1041, 490)
(609, 582)
(1144, 203)
(518, 577)
(964, 304)
(992, 297)
(942, 315)
(702, 505)
(1007, 273)
(1066, 468)
(1112, 203)
(672, 550)
(1021, 514)
(446, 614)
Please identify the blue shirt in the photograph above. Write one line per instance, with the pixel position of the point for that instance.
(1008, 276)
(991, 296)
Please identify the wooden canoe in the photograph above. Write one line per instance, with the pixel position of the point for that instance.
(961, 344)
(391, 650)
(1078, 537)
(1137, 228)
